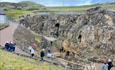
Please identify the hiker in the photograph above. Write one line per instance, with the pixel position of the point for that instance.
(110, 64)
(42, 54)
(105, 65)
(7, 46)
(61, 49)
(32, 52)
(49, 54)
(67, 55)
(12, 47)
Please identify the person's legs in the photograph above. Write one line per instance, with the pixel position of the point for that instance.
(32, 55)
(10, 48)
(13, 49)
(6, 48)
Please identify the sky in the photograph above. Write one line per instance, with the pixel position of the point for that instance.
(63, 2)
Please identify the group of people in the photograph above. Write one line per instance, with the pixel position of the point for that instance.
(42, 53)
(48, 54)
(107, 64)
(10, 46)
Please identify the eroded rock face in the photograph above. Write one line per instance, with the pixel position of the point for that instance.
(94, 30)
(23, 38)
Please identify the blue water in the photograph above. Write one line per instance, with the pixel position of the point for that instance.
(43, 14)
(5, 19)
(2, 18)
(60, 13)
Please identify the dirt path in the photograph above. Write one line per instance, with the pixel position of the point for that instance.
(7, 33)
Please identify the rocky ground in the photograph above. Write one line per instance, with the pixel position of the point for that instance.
(88, 37)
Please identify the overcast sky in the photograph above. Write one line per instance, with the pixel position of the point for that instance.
(63, 2)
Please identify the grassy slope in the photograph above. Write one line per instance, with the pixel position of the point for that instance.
(24, 7)
(81, 8)
(33, 4)
(2, 26)
(9, 61)
(16, 13)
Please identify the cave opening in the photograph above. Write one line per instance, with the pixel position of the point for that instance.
(57, 25)
(57, 29)
(79, 37)
(51, 43)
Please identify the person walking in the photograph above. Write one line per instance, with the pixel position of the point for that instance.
(12, 46)
(105, 65)
(110, 65)
(42, 54)
(32, 52)
(49, 54)
(7, 46)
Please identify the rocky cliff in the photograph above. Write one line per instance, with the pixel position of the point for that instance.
(90, 35)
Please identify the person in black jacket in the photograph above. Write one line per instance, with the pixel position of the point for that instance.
(110, 65)
(7, 46)
(42, 54)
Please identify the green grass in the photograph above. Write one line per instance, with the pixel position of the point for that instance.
(39, 8)
(2, 26)
(16, 13)
(38, 38)
(32, 6)
(9, 61)
(81, 8)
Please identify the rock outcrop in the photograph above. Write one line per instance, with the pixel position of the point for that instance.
(90, 35)
(23, 38)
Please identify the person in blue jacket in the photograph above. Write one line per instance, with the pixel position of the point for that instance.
(105, 65)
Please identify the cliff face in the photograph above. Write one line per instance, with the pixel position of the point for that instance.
(93, 31)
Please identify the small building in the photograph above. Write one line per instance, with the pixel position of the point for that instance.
(2, 17)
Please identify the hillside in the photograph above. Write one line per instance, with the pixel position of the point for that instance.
(24, 5)
(22, 8)
(10, 61)
(27, 7)
(82, 8)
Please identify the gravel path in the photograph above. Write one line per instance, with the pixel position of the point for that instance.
(7, 33)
